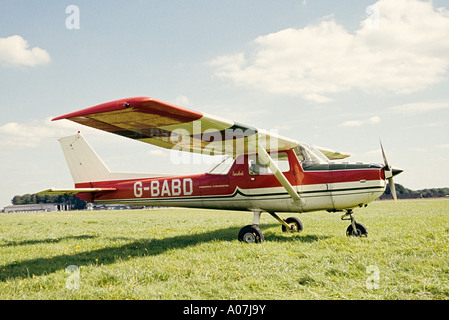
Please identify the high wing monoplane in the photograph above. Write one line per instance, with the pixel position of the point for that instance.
(260, 171)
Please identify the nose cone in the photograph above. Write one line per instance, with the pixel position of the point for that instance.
(395, 172)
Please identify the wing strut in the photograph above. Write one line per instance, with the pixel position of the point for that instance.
(279, 175)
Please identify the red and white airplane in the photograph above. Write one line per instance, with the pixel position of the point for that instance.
(261, 171)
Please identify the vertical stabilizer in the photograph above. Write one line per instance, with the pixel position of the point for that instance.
(84, 164)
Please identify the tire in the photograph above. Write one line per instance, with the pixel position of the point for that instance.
(360, 231)
(295, 223)
(251, 234)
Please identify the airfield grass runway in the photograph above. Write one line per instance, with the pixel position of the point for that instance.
(194, 254)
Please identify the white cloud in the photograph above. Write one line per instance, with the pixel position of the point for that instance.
(405, 51)
(14, 51)
(19, 135)
(358, 123)
(15, 135)
(373, 120)
(417, 149)
(420, 107)
(352, 123)
(182, 101)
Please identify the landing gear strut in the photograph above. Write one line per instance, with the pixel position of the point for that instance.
(355, 229)
(253, 234)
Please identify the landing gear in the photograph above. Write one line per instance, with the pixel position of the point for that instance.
(294, 223)
(253, 234)
(359, 231)
(355, 229)
(291, 224)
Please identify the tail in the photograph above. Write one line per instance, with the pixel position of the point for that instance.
(86, 166)
(84, 163)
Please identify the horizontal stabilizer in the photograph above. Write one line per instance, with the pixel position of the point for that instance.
(69, 192)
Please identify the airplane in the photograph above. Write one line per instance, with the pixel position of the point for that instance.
(260, 171)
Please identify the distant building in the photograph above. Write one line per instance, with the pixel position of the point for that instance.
(38, 207)
(102, 206)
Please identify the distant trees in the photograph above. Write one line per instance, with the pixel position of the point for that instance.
(75, 202)
(405, 193)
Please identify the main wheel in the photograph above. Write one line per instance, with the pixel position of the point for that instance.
(294, 223)
(251, 234)
(360, 231)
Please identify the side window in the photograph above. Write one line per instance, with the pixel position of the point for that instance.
(256, 167)
(283, 165)
(223, 167)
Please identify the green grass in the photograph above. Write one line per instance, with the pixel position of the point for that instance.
(194, 254)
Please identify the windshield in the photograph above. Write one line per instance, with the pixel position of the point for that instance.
(308, 154)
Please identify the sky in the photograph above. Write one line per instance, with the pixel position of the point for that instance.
(337, 74)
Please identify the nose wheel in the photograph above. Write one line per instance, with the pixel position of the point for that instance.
(355, 229)
(294, 223)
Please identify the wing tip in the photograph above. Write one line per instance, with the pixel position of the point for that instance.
(107, 106)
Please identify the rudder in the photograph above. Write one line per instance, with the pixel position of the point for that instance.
(84, 163)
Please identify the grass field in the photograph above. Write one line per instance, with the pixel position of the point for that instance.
(194, 254)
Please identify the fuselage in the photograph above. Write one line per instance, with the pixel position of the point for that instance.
(244, 184)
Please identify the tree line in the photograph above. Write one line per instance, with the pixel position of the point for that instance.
(406, 193)
(74, 202)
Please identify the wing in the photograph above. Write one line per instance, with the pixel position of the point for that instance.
(173, 127)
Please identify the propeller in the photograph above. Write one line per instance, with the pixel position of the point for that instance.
(389, 174)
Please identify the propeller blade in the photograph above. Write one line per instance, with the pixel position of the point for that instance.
(383, 155)
(389, 173)
(387, 167)
(393, 189)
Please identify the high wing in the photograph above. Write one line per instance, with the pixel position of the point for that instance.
(173, 127)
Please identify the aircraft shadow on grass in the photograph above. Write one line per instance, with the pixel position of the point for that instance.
(138, 248)
(48, 240)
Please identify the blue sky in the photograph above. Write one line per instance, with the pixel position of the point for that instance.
(338, 74)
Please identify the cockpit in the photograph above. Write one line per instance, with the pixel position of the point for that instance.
(309, 155)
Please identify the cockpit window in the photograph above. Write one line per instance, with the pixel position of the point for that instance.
(308, 155)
